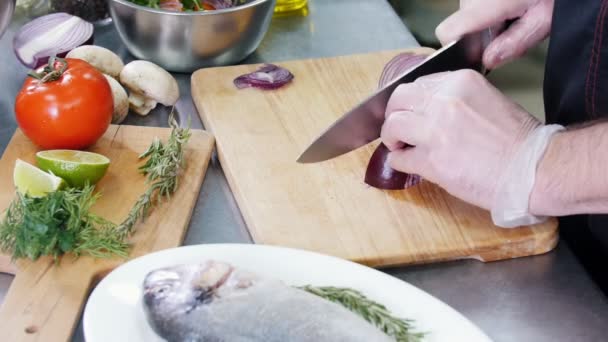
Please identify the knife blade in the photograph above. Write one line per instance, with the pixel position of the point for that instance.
(363, 123)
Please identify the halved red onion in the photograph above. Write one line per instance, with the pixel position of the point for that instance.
(379, 174)
(50, 35)
(269, 76)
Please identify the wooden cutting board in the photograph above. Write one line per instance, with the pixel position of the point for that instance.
(326, 207)
(45, 300)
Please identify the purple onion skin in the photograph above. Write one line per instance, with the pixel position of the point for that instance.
(267, 77)
(44, 60)
(37, 26)
(379, 174)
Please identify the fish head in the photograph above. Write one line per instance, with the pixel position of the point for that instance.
(177, 288)
(170, 293)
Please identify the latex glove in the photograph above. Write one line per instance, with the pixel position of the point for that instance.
(531, 26)
(465, 133)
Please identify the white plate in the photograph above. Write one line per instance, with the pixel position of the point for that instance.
(114, 312)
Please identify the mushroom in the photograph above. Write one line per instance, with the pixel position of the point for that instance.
(100, 58)
(148, 84)
(121, 102)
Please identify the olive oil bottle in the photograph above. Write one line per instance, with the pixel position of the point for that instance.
(283, 6)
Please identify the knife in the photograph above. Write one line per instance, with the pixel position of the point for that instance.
(363, 123)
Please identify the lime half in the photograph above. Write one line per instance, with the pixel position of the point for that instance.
(76, 167)
(33, 181)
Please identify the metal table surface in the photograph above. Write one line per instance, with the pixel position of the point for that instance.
(541, 298)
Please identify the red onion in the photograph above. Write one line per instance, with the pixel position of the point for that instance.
(379, 174)
(50, 35)
(267, 77)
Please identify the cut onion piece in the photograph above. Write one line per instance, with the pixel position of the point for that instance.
(379, 174)
(267, 77)
(50, 35)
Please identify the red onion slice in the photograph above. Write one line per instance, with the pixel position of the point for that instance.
(267, 77)
(379, 174)
(50, 35)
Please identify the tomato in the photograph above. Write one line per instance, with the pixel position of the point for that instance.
(70, 112)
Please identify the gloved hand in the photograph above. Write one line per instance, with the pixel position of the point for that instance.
(531, 26)
(465, 133)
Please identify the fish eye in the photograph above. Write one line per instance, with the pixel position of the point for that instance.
(162, 289)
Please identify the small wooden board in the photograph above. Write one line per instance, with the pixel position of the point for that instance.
(327, 207)
(44, 301)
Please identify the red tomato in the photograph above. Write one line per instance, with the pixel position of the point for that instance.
(71, 112)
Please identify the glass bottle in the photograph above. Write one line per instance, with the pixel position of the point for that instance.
(289, 5)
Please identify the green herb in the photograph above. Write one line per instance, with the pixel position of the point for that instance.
(58, 223)
(192, 5)
(375, 313)
(163, 167)
(147, 3)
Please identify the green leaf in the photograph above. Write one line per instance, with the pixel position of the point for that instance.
(373, 312)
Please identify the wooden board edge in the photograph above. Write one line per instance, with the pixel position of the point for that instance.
(207, 152)
(238, 196)
(541, 242)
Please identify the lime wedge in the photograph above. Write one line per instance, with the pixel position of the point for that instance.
(76, 167)
(32, 181)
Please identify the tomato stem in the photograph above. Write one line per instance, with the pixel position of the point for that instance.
(52, 71)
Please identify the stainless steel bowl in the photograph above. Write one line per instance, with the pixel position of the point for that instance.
(186, 41)
(7, 7)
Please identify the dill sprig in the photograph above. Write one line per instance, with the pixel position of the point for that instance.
(58, 223)
(163, 167)
(375, 313)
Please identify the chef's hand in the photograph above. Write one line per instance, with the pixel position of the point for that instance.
(531, 26)
(463, 129)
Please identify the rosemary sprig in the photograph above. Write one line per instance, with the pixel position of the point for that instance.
(375, 313)
(58, 223)
(163, 167)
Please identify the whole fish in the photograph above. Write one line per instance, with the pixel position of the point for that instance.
(215, 302)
